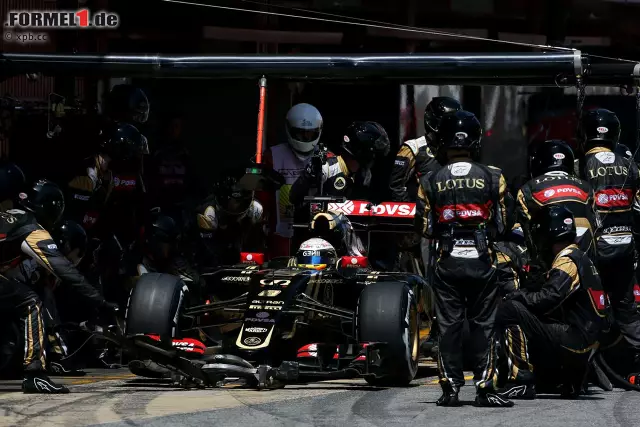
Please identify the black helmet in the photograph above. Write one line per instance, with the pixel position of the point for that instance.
(624, 151)
(163, 228)
(12, 181)
(552, 155)
(600, 127)
(231, 197)
(365, 141)
(551, 224)
(460, 129)
(161, 236)
(71, 240)
(129, 103)
(46, 201)
(124, 142)
(438, 107)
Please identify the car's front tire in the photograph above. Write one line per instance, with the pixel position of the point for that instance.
(387, 312)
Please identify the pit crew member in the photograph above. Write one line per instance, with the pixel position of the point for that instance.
(304, 128)
(416, 156)
(108, 182)
(554, 330)
(462, 207)
(27, 241)
(229, 221)
(616, 183)
(348, 174)
(553, 183)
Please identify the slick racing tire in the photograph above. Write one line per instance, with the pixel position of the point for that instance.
(388, 313)
(11, 350)
(155, 306)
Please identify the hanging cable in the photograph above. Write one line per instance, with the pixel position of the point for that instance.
(385, 26)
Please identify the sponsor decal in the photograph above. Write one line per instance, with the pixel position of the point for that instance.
(81, 197)
(315, 244)
(461, 135)
(258, 320)
(463, 211)
(599, 299)
(252, 341)
(636, 292)
(606, 157)
(560, 192)
(266, 307)
(460, 168)
(52, 246)
(399, 162)
(346, 138)
(568, 221)
(617, 229)
(236, 279)
(256, 330)
(262, 315)
(339, 183)
(276, 282)
(251, 258)
(602, 129)
(328, 281)
(311, 253)
(269, 293)
(90, 219)
(384, 209)
(614, 197)
(558, 156)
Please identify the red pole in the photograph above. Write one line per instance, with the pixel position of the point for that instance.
(261, 110)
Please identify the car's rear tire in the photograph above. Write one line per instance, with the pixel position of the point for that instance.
(155, 305)
(387, 312)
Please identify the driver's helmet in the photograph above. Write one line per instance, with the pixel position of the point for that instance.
(316, 254)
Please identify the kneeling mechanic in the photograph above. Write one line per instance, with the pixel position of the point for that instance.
(556, 328)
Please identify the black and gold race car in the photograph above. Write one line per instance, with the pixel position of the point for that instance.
(278, 323)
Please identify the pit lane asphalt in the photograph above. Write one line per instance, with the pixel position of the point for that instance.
(115, 398)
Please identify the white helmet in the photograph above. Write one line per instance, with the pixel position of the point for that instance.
(304, 127)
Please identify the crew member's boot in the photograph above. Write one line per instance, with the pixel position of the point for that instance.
(491, 399)
(449, 395)
(39, 382)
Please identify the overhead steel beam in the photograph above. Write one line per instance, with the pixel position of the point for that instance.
(493, 69)
(535, 69)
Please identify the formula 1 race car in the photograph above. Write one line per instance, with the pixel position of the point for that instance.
(282, 324)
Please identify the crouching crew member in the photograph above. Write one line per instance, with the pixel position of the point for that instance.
(555, 329)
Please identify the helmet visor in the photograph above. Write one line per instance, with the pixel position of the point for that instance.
(314, 262)
(304, 135)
